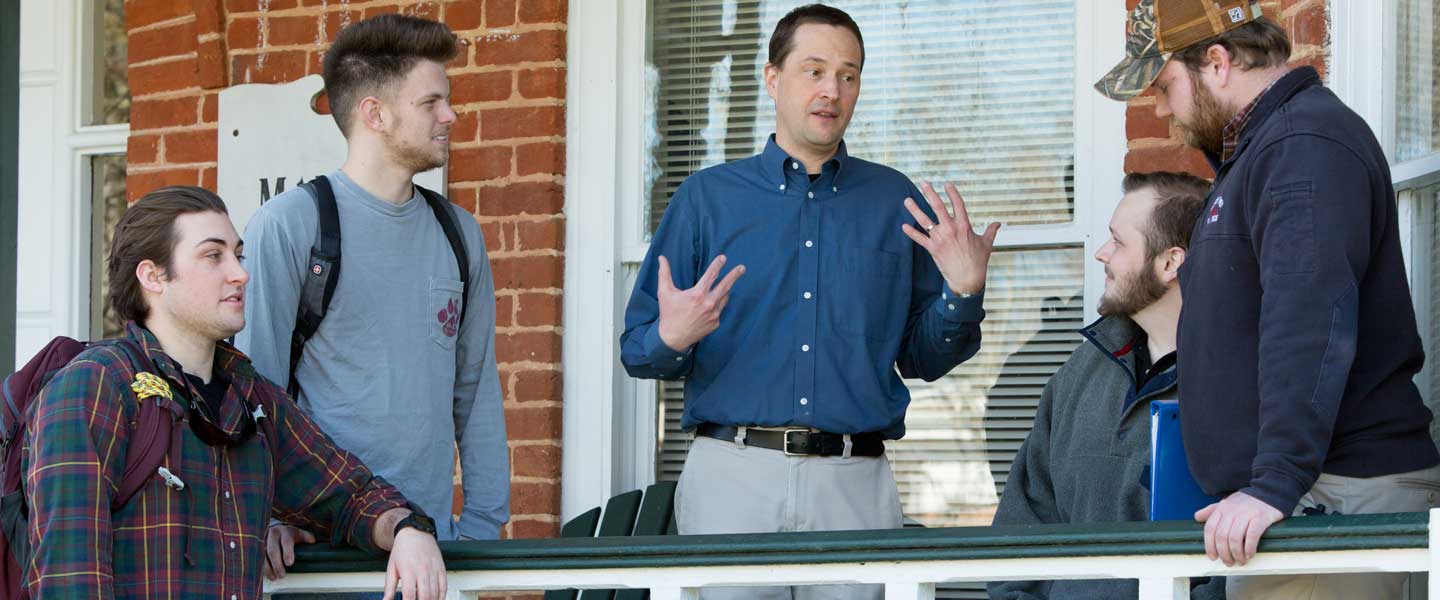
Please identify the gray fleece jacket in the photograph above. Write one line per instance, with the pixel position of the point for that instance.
(1087, 456)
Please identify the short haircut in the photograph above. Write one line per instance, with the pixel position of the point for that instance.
(1259, 44)
(1179, 198)
(146, 231)
(782, 41)
(372, 55)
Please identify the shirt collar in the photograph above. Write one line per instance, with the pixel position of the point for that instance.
(1264, 103)
(230, 363)
(775, 162)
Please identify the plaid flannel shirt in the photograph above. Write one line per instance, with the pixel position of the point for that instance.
(205, 541)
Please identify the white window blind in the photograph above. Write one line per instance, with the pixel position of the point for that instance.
(976, 92)
(1417, 115)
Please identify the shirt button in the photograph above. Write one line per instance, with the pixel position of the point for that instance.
(810, 194)
(679, 358)
(795, 165)
(805, 347)
(807, 295)
(947, 339)
(232, 545)
(782, 187)
(952, 306)
(227, 494)
(804, 401)
(234, 597)
(809, 243)
(835, 189)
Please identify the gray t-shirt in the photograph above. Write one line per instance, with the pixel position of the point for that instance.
(391, 375)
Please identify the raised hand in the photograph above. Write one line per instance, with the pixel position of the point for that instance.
(961, 255)
(687, 316)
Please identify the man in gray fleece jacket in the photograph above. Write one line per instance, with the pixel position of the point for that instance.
(1088, 455)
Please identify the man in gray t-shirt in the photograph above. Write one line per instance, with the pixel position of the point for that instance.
(393, 373)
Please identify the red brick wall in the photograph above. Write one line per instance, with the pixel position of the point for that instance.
(507, 162)
(1155, 146)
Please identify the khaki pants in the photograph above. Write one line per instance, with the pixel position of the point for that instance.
(728, 489)
(1402, 492)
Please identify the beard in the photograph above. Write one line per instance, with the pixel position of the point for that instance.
(1132, 293)
(413, 157)
(1206, 129)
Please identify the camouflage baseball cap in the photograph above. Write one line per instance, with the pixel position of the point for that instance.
(1157, 28)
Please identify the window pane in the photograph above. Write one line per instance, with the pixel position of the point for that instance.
(110, 81)
(1417, 114)
(979, 93)
(1424, 277)
(107, 197)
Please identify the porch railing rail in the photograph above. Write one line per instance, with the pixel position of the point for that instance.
(1162, 556)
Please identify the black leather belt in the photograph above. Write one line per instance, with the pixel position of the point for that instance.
(800, 441)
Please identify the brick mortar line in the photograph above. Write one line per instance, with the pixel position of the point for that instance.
(194, 91)
(515, 101)
(497, 182)
(533, 444)
(180, 20)
(173, 129)
(140, 170)
(533, 404)
(1152, 143)
(535, 253)
(548, 368)
(533, 362)
(489, 68)
(515, 219)
(523, 329)
(526, 290)
(166, 59)
(534, 479)
(540, 517)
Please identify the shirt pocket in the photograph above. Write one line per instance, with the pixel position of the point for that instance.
(446, 303)
(866, 290)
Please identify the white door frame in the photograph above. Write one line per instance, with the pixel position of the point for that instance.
(53, 270)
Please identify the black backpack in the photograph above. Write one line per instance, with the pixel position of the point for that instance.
(324, 267)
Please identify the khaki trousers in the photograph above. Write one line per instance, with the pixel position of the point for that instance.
(1402, 492)
(727, 489)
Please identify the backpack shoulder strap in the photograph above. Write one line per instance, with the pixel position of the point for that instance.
(150, 438)
(441, 206)
(321, 276)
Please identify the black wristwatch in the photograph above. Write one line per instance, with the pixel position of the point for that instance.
(418, 520)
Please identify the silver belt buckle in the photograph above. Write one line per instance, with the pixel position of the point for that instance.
(786, 446)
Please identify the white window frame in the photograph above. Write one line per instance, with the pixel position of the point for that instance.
(610, 421)
(56, 81)
(1363, 71)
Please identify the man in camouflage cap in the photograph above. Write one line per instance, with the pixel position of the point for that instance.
(1297, 329)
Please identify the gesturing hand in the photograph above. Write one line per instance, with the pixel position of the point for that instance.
(960, 254)
(687, 316)
(1233, 527)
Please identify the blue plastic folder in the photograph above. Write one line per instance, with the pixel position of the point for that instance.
(1174, 495)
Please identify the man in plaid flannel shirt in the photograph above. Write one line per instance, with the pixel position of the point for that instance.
(175, 272)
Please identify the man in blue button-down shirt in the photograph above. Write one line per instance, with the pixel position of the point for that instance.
(839, 278)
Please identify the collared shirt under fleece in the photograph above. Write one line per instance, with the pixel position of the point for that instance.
(207, 540)
(833, 299)
(388, 375)
(1087, 457)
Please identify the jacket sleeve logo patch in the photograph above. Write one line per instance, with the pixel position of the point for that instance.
(1215, 209)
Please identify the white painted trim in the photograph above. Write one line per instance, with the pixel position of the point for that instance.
(907, 578)
(589, 345)
(1416, 173)
(1101, 143)
(1362, 62)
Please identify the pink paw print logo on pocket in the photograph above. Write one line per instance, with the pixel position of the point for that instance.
(449, 318)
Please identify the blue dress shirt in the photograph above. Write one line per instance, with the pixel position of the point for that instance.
(833, 298)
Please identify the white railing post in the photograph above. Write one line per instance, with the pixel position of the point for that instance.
(1433, 553)
(909, 591)
(1165, 588)
(674, 593)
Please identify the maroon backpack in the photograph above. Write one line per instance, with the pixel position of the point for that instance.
(143, 456)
